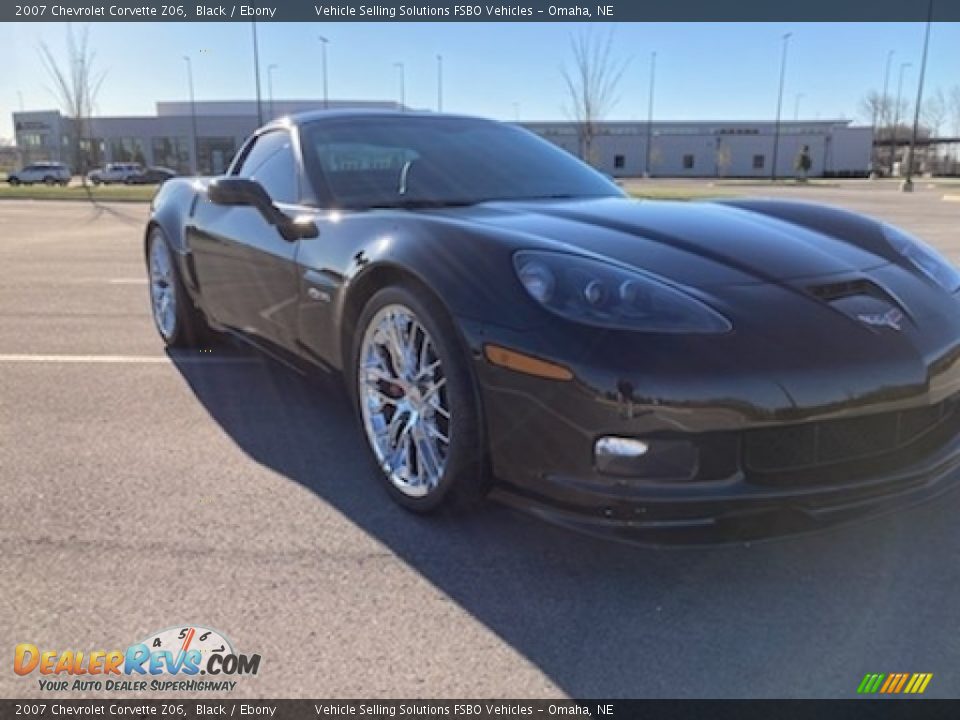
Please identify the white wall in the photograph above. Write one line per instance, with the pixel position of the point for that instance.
(833, 148)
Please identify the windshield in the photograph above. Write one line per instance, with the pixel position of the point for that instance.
(435, 161)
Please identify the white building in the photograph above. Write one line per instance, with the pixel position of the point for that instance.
(719, 149)
(677, 149)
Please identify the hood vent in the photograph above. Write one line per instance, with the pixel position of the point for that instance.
(847, 288)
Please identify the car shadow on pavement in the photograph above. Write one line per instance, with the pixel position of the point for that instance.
(603, 619)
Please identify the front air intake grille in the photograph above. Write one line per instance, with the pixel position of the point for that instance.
(809, 446)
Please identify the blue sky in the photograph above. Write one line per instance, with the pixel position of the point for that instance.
(704, 71)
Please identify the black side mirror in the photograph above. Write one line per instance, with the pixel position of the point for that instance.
(239, 191)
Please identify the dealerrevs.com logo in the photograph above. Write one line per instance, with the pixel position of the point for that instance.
(170, 660)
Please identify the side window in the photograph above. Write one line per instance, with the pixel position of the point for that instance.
(270, 162)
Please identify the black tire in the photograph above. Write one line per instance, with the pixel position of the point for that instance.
(50, 181)
(13, 182)
(464, 482)
(190, 328)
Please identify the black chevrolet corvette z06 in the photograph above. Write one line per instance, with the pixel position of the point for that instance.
(505, 317)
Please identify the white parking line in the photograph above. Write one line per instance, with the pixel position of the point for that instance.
(123, 359)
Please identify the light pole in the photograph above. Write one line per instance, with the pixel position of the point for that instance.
(270, 68)
(908, 181)
(884, 105)
(796, 106)
(323, 58)
(516, 112)
(403, 90)
(256, 72)
(439, 83)
(896, 116)
(776, 128)
(20, 98)
(653, 77)
(193, 116)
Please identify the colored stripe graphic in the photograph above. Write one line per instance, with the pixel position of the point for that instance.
(894, 683)
(900, 684)
(891, 681)
(870, 683)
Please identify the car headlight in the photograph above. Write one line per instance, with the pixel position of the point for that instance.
(924, 258)
(596, 293)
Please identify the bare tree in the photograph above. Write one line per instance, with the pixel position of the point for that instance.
(592, 83)
(955, 109)
(76, 84)
(877, 108)
(934, 111)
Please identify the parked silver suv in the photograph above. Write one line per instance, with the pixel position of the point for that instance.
(122, 172)
(48, 173)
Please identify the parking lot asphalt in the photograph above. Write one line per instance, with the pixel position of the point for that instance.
(142, 491)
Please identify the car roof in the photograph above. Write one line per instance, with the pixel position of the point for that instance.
(310, 116)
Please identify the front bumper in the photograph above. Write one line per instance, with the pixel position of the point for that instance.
(541, 436)
(732, 513)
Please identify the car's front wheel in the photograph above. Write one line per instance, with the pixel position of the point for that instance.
(178, 321)
(417, 402)
(13, 181)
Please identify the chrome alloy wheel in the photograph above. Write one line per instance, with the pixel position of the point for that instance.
(403, 400)
(162, 288)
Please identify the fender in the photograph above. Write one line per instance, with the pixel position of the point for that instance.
(171, 209)
(418, 252)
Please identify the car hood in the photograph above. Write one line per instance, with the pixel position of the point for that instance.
(806, 306)
(700, 244)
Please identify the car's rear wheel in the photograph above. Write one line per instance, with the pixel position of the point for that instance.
(417, 402)
(178, 321)
(49, 180)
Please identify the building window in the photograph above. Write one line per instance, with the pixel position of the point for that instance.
(92, 153)
(33, 139)
(127, 149)
(215, 154)
(618, 162)
(758, 161)
(172, 152)
(688, 162)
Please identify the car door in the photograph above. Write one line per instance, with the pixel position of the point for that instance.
(244, 267)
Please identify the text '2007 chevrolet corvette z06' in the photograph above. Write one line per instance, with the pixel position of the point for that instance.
(504, 316)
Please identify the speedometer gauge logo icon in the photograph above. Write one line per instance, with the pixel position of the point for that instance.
(186, 638)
